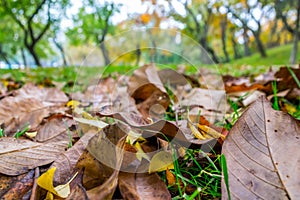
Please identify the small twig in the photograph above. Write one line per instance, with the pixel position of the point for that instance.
(34, 188)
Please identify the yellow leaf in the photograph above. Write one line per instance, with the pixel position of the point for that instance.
(45, 181)
(161, 161)
(209, 132)
(31, 134)
(91, 122)
(145, 18)
(140, 152)
(73, 104)
(132, 137)
(195, 131)
(170, 178)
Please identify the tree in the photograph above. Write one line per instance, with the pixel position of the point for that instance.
(29, 15)
(9, 43)
(93, 23)
(287, 10)
(243, 12)
(197, 23)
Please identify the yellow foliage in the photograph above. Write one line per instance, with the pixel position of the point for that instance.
(161, 162)
(145, 18)
(45, 181)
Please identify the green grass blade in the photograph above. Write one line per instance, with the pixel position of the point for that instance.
(275, 104)
(294, 76)
(225, 174)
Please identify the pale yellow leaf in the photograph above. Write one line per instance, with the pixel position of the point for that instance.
(161, 161)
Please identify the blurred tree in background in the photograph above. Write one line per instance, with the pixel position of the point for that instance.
(62, 32)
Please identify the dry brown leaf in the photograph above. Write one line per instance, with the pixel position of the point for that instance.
(19, 156)
(211, 100)
(49, 96)
(55, 129)
(147, 89)
(107, 148)
(262, 155)
(142, 186)
(66, 162)
(17, 112)
(19, 188)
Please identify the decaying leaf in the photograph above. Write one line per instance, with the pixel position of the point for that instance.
(17, 112)
(142, 186)
(147, 89)
(107, 148)
(19, 156)
(262, 155)
(161, 161)
(66, 162)
(17, 187)
(55, 129)
(49, 96)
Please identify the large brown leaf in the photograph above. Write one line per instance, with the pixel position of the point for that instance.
(262, 153)
(48, 96)
(55, 129)
(17, 112)
(142, 186)
(19, 156)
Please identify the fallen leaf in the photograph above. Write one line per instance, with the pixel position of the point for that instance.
(17, 112)
(107, 148)
(147, 89)
(55, 129)
(45, 181)
(49, 96)
(161, 161)
(19, 156)
(170, 178)
(66, 162)
(96, 123)
(17, 188)
(261, 154)
(142, 186)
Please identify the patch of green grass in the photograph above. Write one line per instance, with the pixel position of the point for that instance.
(255, 64)
(198, 176)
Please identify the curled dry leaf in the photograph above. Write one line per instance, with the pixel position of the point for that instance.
(262, 155)
(107, 148)
(66, 162)
(147, 89)
(19, 156)
(55, 129)
(17, 112)
(142, 186)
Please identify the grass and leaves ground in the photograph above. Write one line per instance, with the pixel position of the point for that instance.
(195, 174)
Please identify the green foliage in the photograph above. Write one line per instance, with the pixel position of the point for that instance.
(93, 23)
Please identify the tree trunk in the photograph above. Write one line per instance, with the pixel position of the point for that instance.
(235, 48)
(4, 57)
(104, 53)
(223, 37)
(138, 54)
(293, 58)
(259, 44)
(34, 55)
(247, 51)
(62, 52)
(24, 58)
(210, 51)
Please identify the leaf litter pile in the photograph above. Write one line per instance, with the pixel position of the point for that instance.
(155, 134)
